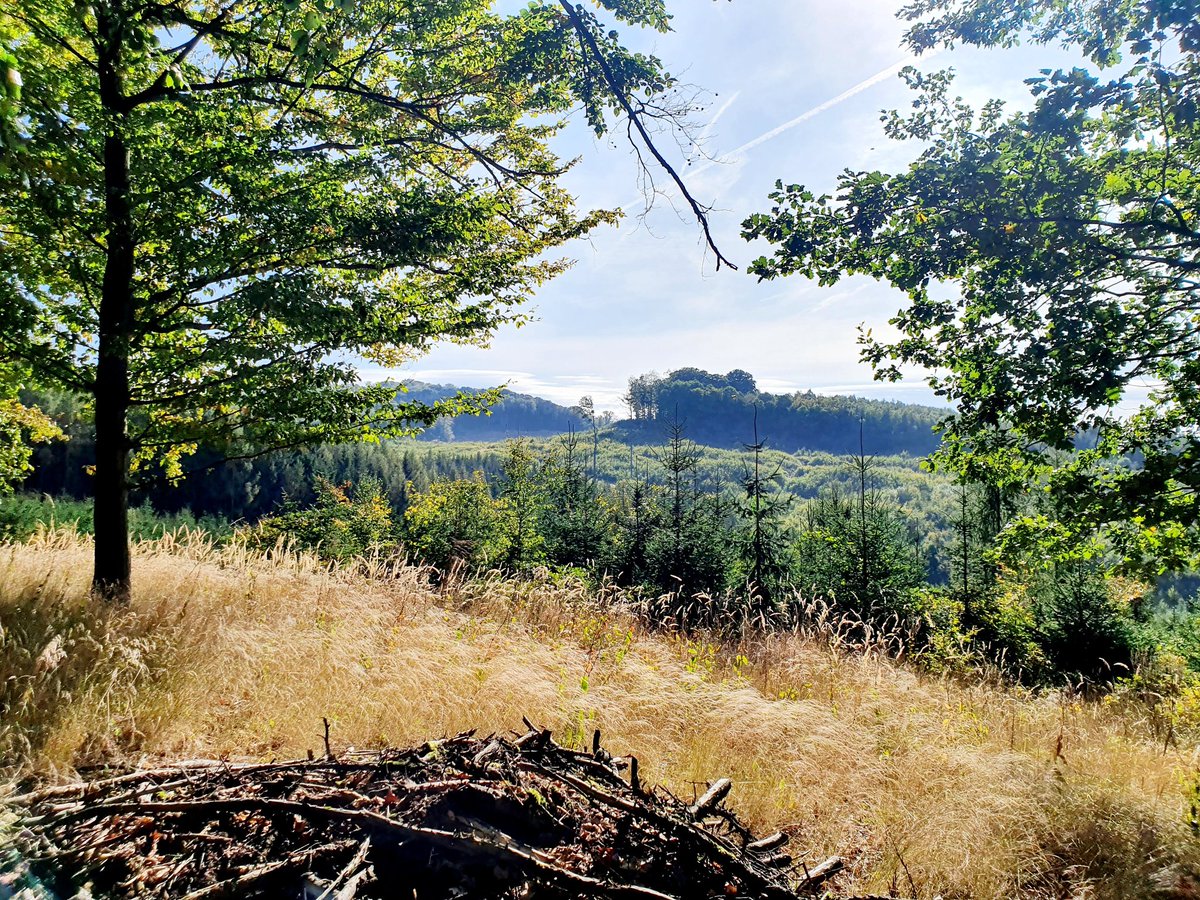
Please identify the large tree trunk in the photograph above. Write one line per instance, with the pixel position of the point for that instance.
(111, 578)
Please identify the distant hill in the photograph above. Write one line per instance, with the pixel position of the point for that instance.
(516, 415)
(719, 411)
(715, 410)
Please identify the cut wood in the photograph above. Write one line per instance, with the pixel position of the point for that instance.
(711, 798)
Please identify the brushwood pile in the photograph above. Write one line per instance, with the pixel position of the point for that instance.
(463, 817)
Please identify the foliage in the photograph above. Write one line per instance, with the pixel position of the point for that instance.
(456, 522)
(688, 553)
(858, 550)
(510, 415)
(211, 210)
(637, 518)
(575, 520)
(1081, 621)
(766, 558)
(250, 488)
(522, 491)
(23, 516)
(345, 522)
(1050, 261)
(21, 426)
(618, 527)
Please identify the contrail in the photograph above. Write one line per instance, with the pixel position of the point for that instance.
(878, 77)
(864, 85)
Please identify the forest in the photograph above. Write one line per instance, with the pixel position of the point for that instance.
(280, 618)
(721, 536)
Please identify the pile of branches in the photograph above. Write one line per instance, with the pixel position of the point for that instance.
(518, 817)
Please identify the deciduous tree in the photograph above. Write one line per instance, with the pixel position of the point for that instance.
(21, 426)
(209, 210)
(1051, 261)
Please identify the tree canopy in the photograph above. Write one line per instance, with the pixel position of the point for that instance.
(21, 426)
(1050, 258)
(210, 210)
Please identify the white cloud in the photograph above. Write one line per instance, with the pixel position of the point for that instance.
(797, 87)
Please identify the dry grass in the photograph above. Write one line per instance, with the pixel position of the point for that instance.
(930, 787)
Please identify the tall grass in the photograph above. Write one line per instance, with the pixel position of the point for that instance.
(927, 786)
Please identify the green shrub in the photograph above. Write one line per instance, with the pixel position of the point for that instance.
(343, 522)
(21, 515)
(456, 521)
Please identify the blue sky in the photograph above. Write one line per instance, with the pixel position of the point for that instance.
(794, 91)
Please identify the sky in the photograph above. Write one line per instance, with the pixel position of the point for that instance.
(793, 90)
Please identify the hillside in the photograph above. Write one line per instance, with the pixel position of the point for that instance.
(715, 410)
(807, 435)
(228, 654)
(516, 415)
(725, 411)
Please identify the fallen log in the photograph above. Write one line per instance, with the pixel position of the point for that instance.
(711, 798)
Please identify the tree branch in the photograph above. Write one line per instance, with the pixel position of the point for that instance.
(699, 211)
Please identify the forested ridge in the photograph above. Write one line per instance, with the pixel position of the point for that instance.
(719, 411)
(713, 411)
(513, 415)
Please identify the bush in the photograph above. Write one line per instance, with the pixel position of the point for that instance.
(22, 515)
(1083, 625)
(456, 522)
(343, 523)
(860, 552)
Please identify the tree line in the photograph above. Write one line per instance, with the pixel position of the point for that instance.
(717, 406)
(702, 552)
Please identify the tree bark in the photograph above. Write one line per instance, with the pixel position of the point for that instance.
(112, 573)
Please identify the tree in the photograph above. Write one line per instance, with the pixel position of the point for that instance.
(1050, 259)
(638, 517)
(873, 569)
(765, 546)
(586, 410)
(21, 426)
(741, 381)
(209, 210)
(642, 396)
(574, 520)
(345, 521)
(522, 491)
(688, 553)
(858, 548)
(456, 521)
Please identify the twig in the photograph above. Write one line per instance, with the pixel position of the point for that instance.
(349, 869)
(614, 85)
(234, 886)
(711, 798)
(582, 786)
